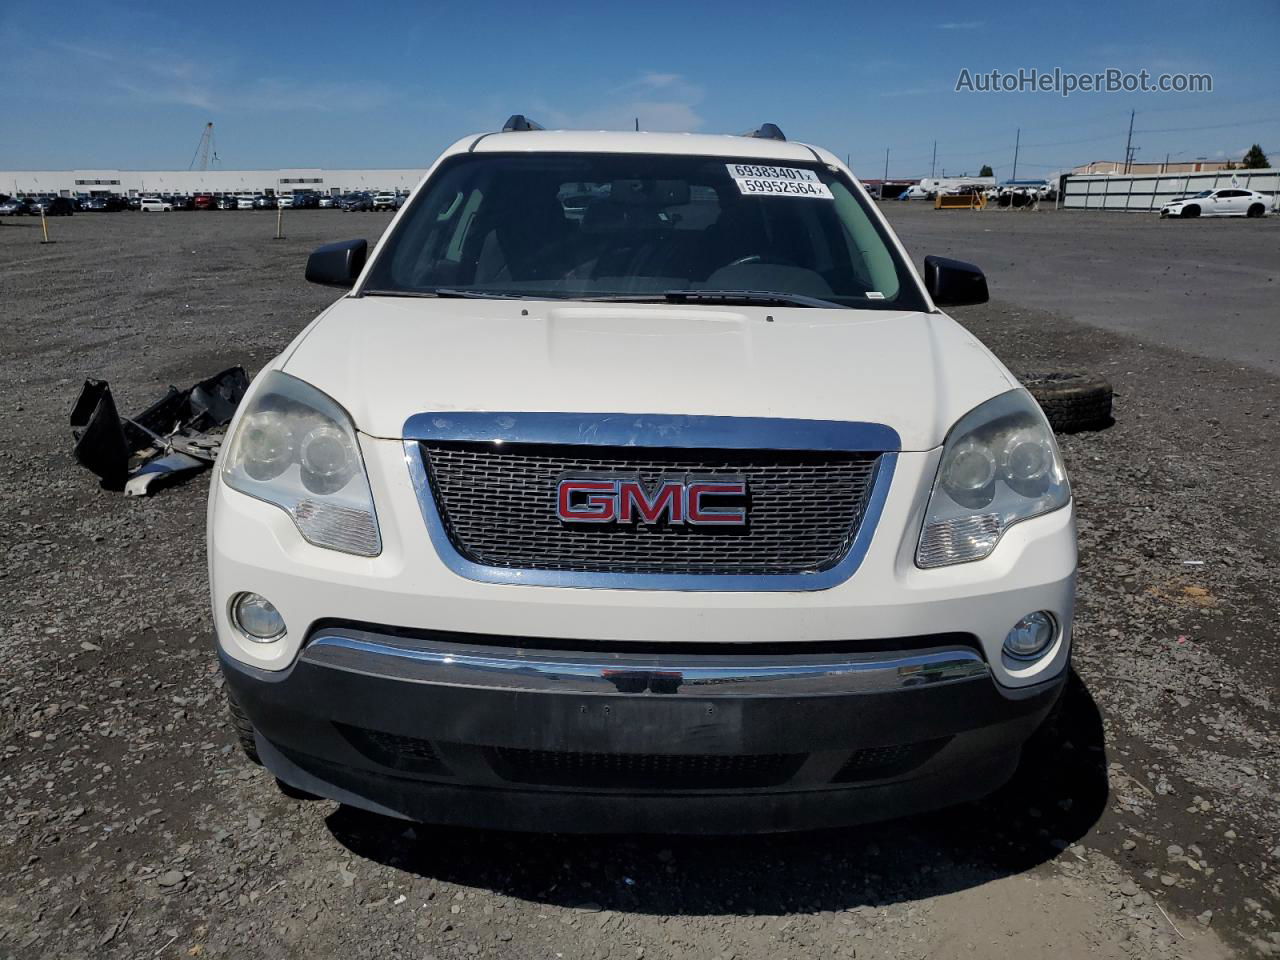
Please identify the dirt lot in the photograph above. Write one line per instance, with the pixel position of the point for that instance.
(1207, 288)
(1146, 824)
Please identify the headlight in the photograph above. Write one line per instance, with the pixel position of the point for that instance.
(296, 448)
(1000, 464)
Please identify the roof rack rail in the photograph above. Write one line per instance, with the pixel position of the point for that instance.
(767, 131)
(519, 123)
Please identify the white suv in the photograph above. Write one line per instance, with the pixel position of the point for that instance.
(637, 482)
(155, 205)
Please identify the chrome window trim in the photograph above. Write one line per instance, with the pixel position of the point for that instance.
(673, 675)
(649, 430)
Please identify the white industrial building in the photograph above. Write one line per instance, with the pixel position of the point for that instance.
(186, 183)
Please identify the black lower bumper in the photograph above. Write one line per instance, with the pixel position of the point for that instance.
(447, 730)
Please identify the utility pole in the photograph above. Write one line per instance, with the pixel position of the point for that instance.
(934, 162)
(1017, 142)
(1128, 141)
(886, 163)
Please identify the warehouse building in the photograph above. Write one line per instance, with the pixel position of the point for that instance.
(1154, 166)
(187, 183)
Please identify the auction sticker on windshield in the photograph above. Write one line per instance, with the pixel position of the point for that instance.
(754, 179)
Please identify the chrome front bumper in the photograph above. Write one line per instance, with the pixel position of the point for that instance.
(663, 674)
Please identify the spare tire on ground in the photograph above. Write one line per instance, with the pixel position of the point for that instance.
(1071, 401)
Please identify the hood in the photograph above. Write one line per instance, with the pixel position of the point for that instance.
(385, 359)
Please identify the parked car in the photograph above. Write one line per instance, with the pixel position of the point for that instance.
(204, 201)
(384, 201)
(94, 204)
(17, 207)
(179, 202)
(263, 202)
(1227, 202)
(134, 203)
(227, 202)
(305, 201)
(681, 602)
(155, 205)
(245, 203)
(53, 206)
(358, 201)
(327, 202)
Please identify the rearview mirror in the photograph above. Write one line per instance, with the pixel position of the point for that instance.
(954, 283)
(337, 264)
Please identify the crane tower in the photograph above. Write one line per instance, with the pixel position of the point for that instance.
(203, 149)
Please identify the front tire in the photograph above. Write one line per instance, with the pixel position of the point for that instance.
(1192, 211)
(243, 728)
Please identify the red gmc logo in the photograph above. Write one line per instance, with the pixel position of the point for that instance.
(677, 500)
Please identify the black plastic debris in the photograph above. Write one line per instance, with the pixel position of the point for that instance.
(177, 435)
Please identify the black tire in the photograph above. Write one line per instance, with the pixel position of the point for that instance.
(243, 728)
(1071, 401)
(1256, 210)
(1191, 211)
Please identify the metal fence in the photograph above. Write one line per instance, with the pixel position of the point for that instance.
(1150, 191)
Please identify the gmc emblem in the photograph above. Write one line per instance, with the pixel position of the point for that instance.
(698, 502)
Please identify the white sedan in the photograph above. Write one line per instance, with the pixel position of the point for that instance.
(1228, 202)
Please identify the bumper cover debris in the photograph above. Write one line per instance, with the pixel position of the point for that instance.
(175, 437)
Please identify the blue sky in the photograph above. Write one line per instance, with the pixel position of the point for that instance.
(113, 84)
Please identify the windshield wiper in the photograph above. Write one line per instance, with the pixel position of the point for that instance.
(768, 298)
(478, 294)
(447, 292)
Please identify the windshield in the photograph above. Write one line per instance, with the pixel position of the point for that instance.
(636, 226)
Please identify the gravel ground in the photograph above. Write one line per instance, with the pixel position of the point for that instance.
(1206, 286)
(1145, 824)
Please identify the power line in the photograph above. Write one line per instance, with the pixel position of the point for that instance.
(1215, 126)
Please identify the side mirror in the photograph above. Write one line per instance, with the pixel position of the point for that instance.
(954, 283)
(337, 264)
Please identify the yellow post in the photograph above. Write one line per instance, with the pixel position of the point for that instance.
(279, 221)
(44, 226)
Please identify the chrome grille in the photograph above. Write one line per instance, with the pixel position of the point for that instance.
(498, 507)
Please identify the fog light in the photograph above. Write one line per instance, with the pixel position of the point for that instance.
(1031, 635)
(256, 617)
